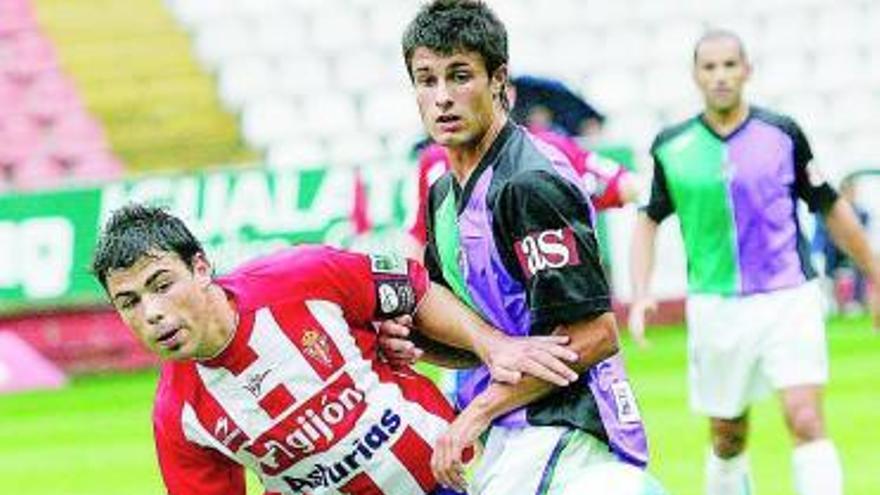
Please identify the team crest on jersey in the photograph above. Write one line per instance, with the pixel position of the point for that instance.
(316, 346)
(550, 249)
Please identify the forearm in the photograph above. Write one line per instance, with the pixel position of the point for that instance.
(846, 232)
(642, 255)
(443, 318)
(593, 340)
(444, 355)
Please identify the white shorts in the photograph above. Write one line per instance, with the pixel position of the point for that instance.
(535, 460)
(742, 348)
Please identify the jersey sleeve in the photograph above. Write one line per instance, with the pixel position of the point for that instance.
(608, 176)
(810, 184)
(372, 287)
(660, 203)
(189, 469)
(545, 236)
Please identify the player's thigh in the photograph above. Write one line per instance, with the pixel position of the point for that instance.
(723, 354)
(795, 350)
(528, 460)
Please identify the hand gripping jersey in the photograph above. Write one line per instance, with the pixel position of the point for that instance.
(298, 396)
(602, 177)
(736, 199)
(517, 245)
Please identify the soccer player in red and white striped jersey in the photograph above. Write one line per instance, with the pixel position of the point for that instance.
(273, 367)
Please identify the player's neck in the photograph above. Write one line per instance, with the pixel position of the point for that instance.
(463, 160)
(224, 322)
(723, 122)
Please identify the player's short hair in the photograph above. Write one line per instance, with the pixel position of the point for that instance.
(449, 26)
(718, 33)
(137, 230)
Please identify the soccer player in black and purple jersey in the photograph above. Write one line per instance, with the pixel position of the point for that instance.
(733, 174)
(510, 231)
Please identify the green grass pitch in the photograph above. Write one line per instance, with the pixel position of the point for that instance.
(94, 437)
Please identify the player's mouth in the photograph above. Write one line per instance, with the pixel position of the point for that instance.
(448, 123)
(169, 338)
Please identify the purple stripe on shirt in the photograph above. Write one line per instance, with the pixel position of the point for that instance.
(761, 160)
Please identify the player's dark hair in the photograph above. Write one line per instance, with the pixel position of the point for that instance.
(449, 26)
(137, 230)
(714, 34)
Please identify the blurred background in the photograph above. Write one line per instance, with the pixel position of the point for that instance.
(270, 122)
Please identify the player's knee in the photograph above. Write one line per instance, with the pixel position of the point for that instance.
(806, 424)
(729, 438)
(728, 446)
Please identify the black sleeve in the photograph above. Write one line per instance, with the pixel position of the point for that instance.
(432, 257)
(809, 183)
(545, 236)
(660, 205)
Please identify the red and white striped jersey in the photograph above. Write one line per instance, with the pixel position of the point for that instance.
(298, 396)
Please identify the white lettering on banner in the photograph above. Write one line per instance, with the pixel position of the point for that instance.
(223, 203)
(548, 249)
(37, 255)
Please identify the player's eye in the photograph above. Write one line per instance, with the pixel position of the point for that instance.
(163, 287)
(128, 303)
(425, 80)
(461, 76)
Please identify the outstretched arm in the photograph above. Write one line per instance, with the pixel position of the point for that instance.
(641, 259)
(846, 232)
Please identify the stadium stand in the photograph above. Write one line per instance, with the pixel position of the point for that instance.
(138, 76)
(631, 57)
(47, 138)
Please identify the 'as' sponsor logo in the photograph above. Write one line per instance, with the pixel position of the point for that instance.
(550, 249)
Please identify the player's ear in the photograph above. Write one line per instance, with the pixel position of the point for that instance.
(499, 81)
(202, 269)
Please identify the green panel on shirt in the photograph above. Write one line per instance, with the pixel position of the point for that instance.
(695, 164)
(449, 249)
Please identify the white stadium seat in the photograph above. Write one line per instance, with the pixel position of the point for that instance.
(296, 153)
(391, 111)
(245, 80)
(222, 40)
(271, 120)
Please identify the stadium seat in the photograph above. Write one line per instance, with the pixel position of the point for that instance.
(616, 89)
(327, 114)
(334, 29)
(224, 39)
(302, 76)
(362, 70)
(195, 14)
(16, 16)
(30, 54)
(296, 153)
(355, 149)
(390, 111)
(386, 21)
(244, 80)
(280, 34)
(51, 96)
(270, 120)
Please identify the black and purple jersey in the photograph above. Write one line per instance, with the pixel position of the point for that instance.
(517, 244)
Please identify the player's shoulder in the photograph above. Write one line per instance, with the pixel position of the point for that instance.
(282, 275)
(779, 120)
(176, 381)
(671, 132)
